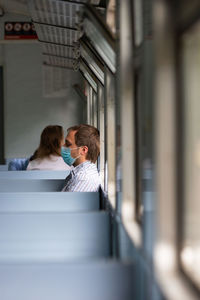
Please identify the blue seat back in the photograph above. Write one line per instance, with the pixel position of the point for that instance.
(96, 280)
(32, 185)
(49, 202)
(53, 237)
(34, 174)
(3, 168)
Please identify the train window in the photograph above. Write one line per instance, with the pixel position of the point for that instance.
(95, 106)
(89, 104)
(86, 72)
(101, 125)
(140, 108)
(91, 92)
(100, 37)
(190, 255)
(110, 135)
(127, 129)
(138, 27)
(138, 148)
(110, 15)
(94, 64)
(118, 162)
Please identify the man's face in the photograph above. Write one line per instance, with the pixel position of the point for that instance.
(70, 143)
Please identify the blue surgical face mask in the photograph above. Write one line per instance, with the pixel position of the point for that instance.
(66, 155)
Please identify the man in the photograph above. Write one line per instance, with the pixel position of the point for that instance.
(82, 149)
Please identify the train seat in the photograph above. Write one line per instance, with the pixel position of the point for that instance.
(3, 168)
(49, 202)
(97, 280)
(36, 174)
(54, 237)
(31, 185)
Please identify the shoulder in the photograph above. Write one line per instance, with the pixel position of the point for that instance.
(52, 162)
(87, 171)
(33, 164)
(60, 163)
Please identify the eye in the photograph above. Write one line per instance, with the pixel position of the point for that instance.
(67, 143)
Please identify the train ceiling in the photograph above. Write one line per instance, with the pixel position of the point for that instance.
(21, 6)
(60, 27)
(15, 6)
(57, 26)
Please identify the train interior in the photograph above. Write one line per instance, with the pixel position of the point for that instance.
(129, 68)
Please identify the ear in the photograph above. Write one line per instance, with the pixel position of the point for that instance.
(84, 150)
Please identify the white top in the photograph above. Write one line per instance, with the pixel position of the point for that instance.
(52, 162)
(83, 178)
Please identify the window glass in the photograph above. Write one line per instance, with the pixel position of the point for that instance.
(126, 92)
(190, 255)
(101, 126)
(118, 163)
(95, 106)
(138, 143)
(89, 105)
(110, 137)
(110, 15)
(138, 28)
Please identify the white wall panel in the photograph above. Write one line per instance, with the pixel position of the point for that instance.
(26, 111)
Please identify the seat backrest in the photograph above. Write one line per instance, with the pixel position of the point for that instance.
(94, 280)
(3, 168)
(32, 185)
(49, 237)
(49, 202)
(34, 174)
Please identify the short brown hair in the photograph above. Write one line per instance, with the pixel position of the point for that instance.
(87, 135)
(50, 142)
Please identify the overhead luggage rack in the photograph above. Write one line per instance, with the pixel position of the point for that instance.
(56, 61)
(49, 5)
(64, 36)
(60, 13)
(59, 50)
(56, 24)
(92, 61)
(100, 36)
(88, 75)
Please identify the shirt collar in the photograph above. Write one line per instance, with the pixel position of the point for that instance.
(81, 166)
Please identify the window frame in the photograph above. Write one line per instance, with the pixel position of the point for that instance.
(169, 169)
(126, 88)
(184, 23)
(101, 127)
(110, 127)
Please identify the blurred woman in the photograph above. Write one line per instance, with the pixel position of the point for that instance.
(48, 155)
